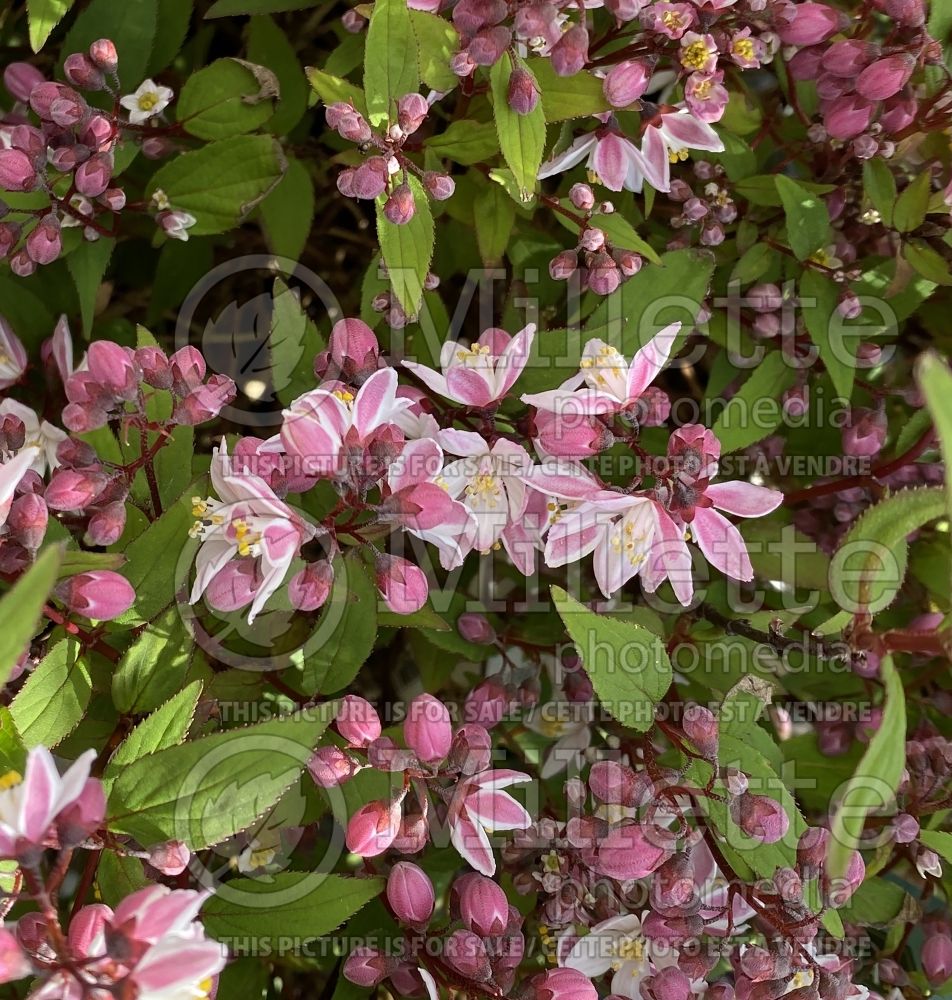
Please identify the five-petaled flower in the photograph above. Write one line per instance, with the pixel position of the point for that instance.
(148, 100)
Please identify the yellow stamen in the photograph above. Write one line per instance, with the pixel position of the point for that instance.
(695, 56)
(10, 779)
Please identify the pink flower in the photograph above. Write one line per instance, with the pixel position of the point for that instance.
(667, 139)
(420, 502)
(480, 806)
(482, 374)
(489, 481)
(671, 19)
(12, 356)
(11, 472)
(706, 96)
(29, 809)
(248, 521)
(613, 384)
(612, 160)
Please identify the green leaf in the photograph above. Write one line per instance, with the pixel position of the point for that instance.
(390, 59)
(913, 203)
(494, 214)
(22, 605)
(621, 233)
(868, 568)
(222, 182)
(207, 790)
(226, 98)
(157, 564)
(42, 17)
(935, 380)
(12, 751)
(287, 214)
(437, 42)
(229, 8)
(779, 552)
(818, 300)
(927, 262)
(53, 700)
(628, 665)
(880, 186)
(808, 221)
(521, 137)
(293, 342)
(938, 841)
(153, 668)
(289, 904)
(754, 411)
(564, 97)
(166, 727)
(330, 89)
(347, 627)
(269, 46)
(172, 20)
(407, 249)
(119, 876)
(761, 189)
(876, 778)
(132, 27)
(465, 141)
(87, 265)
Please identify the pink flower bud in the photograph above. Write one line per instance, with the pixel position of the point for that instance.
(465, 952)
(626, 82)
(44, 244)
(564, 984)
(847, 58)
(438, 186)
(170, 858)
(354, 349)
(154, 366)
(68, 109)
(812, 23)
(114, 368)
(937, 958)
(93, 177)
(156, 147)
(885, 77)
(400, 206)
(563, 265)
(910, 13)
(487, 47)
(668, 984)
(9, 237)
(99, 594)
(28, 519)
(570, 52)
(370, 178)
(16, 171)
(760, 817)
(582, 197)
(372, 828)
(483, 906)
(839, 892)
(412, 110)
(410, 894)
(20, 78)
(330, 767)
(14, 963)
(428, 729)
(188, 370)
(357, 721)
(366, 967)
(309, 589)
(472, 749)
(847, 116)
(700, 727)
(107, 524)
(523, 92)
(205, 402)
(474, 627)
(82, 72)
(345, 183)
(905, 828)
(104, 56)
(402, 585)
(865, 432)
(22, 266)
(74, 489)
(591, 238)
(603, 275)
(796, 401)
(114, 199)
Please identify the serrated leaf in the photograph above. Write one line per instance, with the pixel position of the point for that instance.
(390, 59)
(437, 42)
(119, 876)
(22, 605)
(627, 664)
(622, 234)
(132, 27)
(53, 700)
(87, 265)
(564, 97)
(867, 569)
(172, 21)
(465, 142)
(736, 426)
(228, 97)
(818, 300)
(270, 46)
(880, 187)
(42, 17)
(287, 214)
(808, 221)
(938, 841)
(301, 905)
(494, 214)
(331, 89)
(927, 262)
(935, 380)
(407, 249)
(207, 790)
(877, 777)
(166, 727)
(521, 137)
(913, 203)
(153, 668)
(294, 342)
(222, 182)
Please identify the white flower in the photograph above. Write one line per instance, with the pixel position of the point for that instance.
(149, 100)
(41, 435)
(176, 225)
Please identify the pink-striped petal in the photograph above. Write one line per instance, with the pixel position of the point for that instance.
(649, 361)
(744, 499)
(722, 544)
